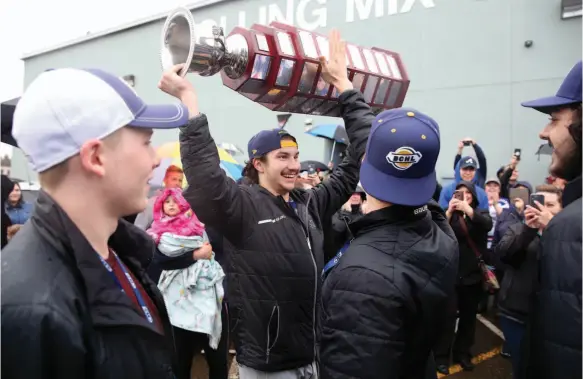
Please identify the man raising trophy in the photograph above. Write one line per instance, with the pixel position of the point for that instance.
(274, 272)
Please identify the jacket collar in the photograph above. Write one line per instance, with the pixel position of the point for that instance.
(107, 304)
(572, 191)
(387, 216)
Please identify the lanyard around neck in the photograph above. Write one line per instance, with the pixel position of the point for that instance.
(137, 293)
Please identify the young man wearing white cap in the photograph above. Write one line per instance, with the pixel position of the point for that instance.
(76, 302)
(385, 295)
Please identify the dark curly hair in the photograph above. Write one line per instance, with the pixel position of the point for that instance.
(575, 127)
(250, 173)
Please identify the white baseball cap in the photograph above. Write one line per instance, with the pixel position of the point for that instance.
(63, 108)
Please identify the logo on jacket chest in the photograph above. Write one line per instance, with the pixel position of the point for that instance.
(271, 220)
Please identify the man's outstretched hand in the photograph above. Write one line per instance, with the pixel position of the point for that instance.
(179, 87)
(334, 71)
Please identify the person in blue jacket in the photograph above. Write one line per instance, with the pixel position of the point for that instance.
(466, 169)
(482, 170)
(16, 208)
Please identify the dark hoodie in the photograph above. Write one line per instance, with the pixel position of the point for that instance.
(478, 227)
(7, 187)
(447, 191)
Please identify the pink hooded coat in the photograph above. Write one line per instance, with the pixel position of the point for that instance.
(184, 224)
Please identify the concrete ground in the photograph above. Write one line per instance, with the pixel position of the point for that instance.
(489, 363)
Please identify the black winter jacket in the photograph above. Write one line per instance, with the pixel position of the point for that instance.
(274, 272)
(339, 233)
(518, 249)
(62, 314)
(384, 303)
(553, 339)
(478, 227)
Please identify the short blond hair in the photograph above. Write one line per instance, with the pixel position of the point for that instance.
(51, 178)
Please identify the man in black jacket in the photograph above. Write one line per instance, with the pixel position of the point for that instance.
(76, 300)
(553, 340)
(274, 272)
(385, 296)
(518, 249)
(339, 234)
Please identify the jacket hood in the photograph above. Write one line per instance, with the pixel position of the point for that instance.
(458, 176)
(472, 188)
(523, 184)
(185, 223)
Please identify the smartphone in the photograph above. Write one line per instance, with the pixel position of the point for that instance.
(520, 193)
(536, 197)
(458, 195)
(467, 143)
(303, 174)
(517, 153)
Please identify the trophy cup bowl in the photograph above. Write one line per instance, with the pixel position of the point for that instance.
(202, 50)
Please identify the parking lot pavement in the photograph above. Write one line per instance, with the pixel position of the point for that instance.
(489, 363)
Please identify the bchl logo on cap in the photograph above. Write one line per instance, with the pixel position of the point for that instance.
(404, 157)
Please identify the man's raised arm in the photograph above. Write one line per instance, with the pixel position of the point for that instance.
(357, 117)
(216, 199)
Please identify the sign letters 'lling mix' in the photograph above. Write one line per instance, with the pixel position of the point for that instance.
(313, 14)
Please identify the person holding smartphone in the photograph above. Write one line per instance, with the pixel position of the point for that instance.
(470, 225)
(518, 251)
(482, 168)
(508, 174)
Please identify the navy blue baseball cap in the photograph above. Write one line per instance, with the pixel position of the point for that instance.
(400, 157)
(468, 162)
(268, 140)
(569, 93)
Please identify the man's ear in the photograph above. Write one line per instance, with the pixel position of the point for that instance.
(259, 166)
(91, 155)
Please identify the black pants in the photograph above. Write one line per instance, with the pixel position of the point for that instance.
(189, 344)
(466, 302)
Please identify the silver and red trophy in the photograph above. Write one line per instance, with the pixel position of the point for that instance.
(277, 66)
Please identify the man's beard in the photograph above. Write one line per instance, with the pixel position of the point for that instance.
(569, 164)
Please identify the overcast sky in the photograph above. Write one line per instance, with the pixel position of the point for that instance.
(27, 25)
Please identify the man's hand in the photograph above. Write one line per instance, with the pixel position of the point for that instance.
(314, 180)
(453, 204)
(530, 218)
(460, 146)
(519, 204)
(493, 198)
(179, 87)
(204, 252)
(542, 215)
(12, 230)
(464, 207)
(335, 71)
